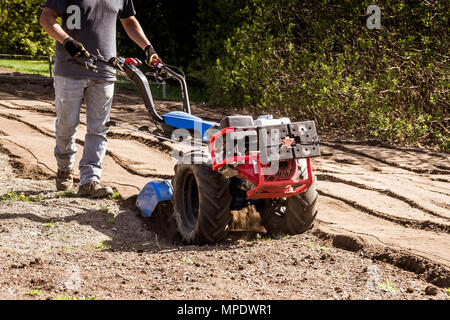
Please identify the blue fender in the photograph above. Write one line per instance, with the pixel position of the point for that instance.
(153, 193)
(183, 120)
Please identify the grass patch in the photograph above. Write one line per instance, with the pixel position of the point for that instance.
(173, 89)
(111, 220)
(387, 286)
(269, 237)
(101, 246)
(187, 260)
(61, 297)
(67, 298)
(34, 292)
(259, 237)
(26, 66)
(317, 247)
(104, 209)
(50, 224)
(22, 197)
(115, 196)
(67, 194)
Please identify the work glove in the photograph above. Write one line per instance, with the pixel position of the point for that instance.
(75, 48)
(151, 57)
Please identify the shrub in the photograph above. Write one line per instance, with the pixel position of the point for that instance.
(20, 31)
(317, 60)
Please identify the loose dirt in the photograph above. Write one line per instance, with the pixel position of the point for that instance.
(382, 231)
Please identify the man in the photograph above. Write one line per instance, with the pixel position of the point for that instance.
(87, 27)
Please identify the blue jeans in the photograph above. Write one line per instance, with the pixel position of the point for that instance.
(98, 96)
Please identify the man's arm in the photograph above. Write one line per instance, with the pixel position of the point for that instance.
(134, 31)
(51, 26)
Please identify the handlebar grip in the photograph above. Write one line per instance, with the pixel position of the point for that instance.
(155, 61)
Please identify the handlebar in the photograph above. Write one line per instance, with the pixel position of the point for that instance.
(129, 67)
(184, 91)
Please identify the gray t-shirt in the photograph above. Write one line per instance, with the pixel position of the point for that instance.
(93, 23)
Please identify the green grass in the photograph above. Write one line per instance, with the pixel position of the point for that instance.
(173, 90)
(84, 297)
(49, 224)
(34, 292)
(187, 260)
(317, 247)
(104, 209)
(22, 197)
(26, 66)
(269, 237)
(101, 246)
(67, 194)
(115, 196)
(388, 286)
(61, 297)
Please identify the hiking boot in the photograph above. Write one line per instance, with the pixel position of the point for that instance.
(64, 180)
(95, 190)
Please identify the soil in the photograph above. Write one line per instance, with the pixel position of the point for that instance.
(382, 231)
(6, 71)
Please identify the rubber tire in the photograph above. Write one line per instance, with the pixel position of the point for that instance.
(300, 213)
(211, 224)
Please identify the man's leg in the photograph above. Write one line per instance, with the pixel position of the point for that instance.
(98, 97)
(68, 98)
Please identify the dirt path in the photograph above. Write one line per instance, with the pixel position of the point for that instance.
(390, 203)
(122, 169)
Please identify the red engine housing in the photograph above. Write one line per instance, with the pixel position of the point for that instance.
(283, 183)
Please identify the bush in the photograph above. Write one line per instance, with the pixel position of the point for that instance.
(317, 60)
(20, 31)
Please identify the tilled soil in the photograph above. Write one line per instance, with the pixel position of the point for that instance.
(382, 231)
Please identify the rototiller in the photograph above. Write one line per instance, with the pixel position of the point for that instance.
(241, 162)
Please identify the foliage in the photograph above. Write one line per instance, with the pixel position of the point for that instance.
(20, 31)
(102, 246)
(22, 197)
(115, 196)
(104, 209)
(187, 260)
(387, 286)
(67, 194)
(67, 297)
(50, 224)
(34, 292)
(317, 60)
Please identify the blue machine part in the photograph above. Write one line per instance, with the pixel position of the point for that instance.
(240, 196)
(153, 193)
(183, 120)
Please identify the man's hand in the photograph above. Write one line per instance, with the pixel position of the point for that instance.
(150, 55)
(75, 48)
